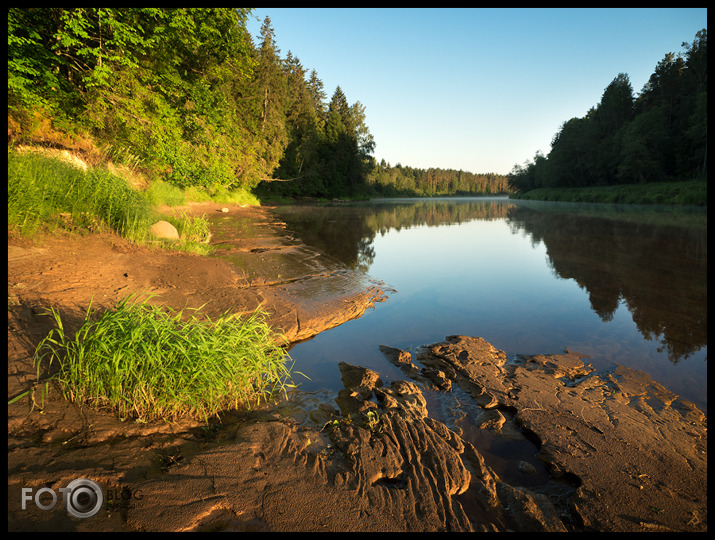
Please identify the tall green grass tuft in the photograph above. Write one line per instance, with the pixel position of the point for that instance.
(146, 362)
(194, 231)
(44, 192)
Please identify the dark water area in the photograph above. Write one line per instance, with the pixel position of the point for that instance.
(620, 283)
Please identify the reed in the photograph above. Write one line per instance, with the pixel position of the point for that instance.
(147, 362)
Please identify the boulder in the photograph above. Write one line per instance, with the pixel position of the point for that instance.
(164, 229)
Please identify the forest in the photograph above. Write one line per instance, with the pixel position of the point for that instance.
(659, 135)
(186, 95)
(407, 181)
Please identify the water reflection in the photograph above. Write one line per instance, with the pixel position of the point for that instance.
(347, 231)
(653, 260)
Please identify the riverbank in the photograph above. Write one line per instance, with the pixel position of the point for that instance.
(677, 193)
(366, 459)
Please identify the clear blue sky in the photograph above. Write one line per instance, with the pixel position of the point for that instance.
(475, 89)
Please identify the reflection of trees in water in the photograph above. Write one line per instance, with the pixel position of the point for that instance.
(341, 232)
(659, 271)
(433, 213)
(346, 232)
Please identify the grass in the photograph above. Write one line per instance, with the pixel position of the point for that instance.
(678, 193)
(46, 194)
(160, 192)
(147, 363)
(239, 197)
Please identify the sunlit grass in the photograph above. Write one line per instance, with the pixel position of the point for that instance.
(147, 363)
(680, 193)
(160, 192)
(238, 197)
(46, 195)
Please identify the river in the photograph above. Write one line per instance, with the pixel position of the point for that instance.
(622, 284)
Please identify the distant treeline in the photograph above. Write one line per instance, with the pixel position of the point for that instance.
(659, 135)
(186, 95)
(399, 180)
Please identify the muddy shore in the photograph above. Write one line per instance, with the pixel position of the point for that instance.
(622, 452)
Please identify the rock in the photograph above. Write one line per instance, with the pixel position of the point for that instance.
(526, 468)
(403, 360)
(396, 356)
(351, 403)
(403, 396)
(491, 419)
(359, 379)
(595, 429)
(406, 464)
(164, 229)
(438, 377)
(529, 511)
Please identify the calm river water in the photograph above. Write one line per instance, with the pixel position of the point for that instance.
(623, 284)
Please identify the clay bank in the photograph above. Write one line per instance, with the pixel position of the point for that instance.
(621, 452)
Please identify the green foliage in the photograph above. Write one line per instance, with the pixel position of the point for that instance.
(658, 136)
(197, 104)
(239, 197)
(146, 362)
(162, 193)
(196, 194)
(397, 181)
(188, 93)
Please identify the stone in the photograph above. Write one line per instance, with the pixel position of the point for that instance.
(359, 379)
(396, 356)
(351, 404)
(491, 419)
(403, 396)
(438, 377)
(595, 429)
(526, 468)
(164, 229)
